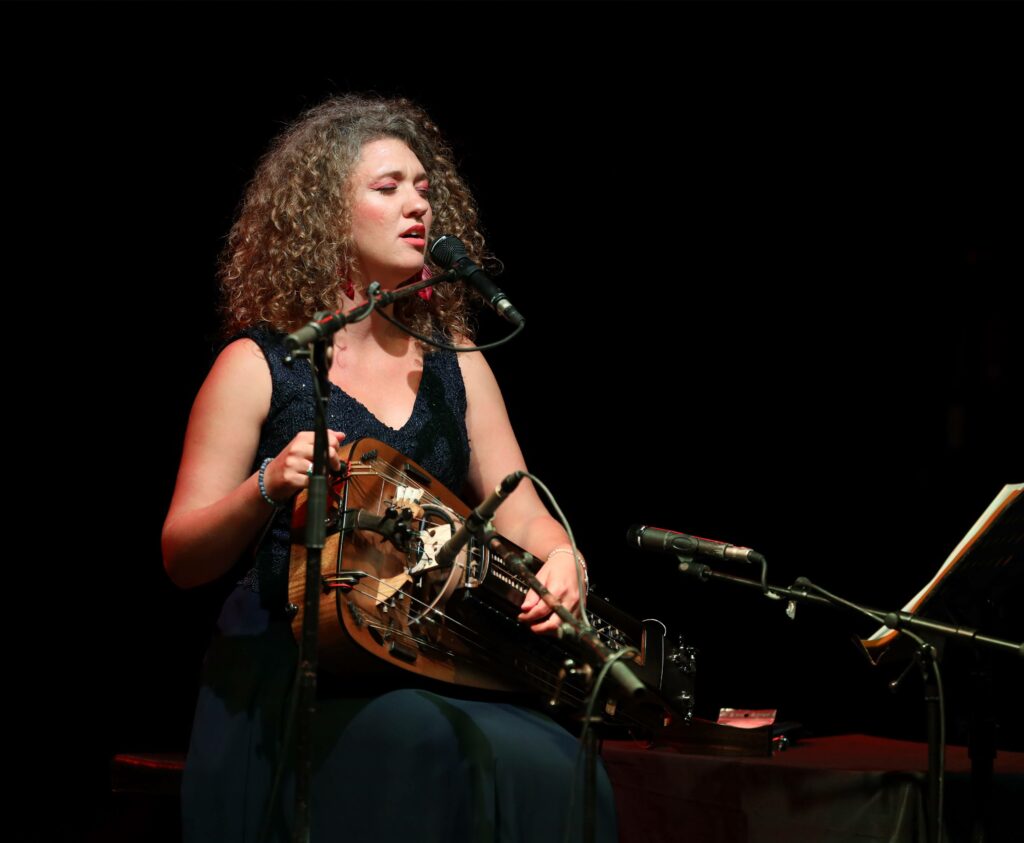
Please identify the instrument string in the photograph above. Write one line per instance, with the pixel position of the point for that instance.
(431, 613)
(388, 631)
(466, 633)
(391, 473)
(603, 635)
(471, 638)
(428, 609)
(395, 475)
(546, 680)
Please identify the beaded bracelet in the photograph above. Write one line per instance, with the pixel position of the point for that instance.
(579, 558)
(263, 486)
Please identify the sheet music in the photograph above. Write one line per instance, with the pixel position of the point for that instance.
(884, 634)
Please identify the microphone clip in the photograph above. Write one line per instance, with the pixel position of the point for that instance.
(688, 566)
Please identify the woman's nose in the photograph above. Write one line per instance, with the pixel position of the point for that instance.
(417, 206)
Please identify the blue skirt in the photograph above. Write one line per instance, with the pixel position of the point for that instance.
(408, 764)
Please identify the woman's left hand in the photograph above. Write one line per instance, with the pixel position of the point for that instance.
(558, 574)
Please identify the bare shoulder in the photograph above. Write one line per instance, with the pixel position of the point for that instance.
(232, 403)
(243, 357)
(239, 374)
(224, 426)
(477, 374)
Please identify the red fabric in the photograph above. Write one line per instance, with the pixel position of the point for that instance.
(852, 787)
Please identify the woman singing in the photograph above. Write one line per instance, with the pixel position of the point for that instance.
(347, 196)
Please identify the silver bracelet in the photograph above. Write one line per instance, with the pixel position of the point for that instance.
(579, 558)
(263, 486)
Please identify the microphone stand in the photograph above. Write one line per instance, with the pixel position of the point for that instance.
(327, 323)
(311, 342)
(585, 641)
(927, 658)
(316, 534)
(925, 655)
(893, 620)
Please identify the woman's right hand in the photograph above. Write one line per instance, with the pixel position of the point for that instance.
(288, 473)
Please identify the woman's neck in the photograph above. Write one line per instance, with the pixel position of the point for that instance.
(374, 330)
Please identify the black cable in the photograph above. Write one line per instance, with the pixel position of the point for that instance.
(445, 346)
(587, 719)
(584, 617)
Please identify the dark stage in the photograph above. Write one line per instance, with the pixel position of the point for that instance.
(769, 260)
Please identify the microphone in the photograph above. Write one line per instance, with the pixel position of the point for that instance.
(449, 253)
(477, 519)
(668, 541)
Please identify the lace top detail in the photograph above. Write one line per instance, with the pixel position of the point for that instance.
(435, 436)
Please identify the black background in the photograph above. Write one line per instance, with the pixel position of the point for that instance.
(768, 255)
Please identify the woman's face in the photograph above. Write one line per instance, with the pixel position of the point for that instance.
(391, 215)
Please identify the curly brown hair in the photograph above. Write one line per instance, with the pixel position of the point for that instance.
(290, 250)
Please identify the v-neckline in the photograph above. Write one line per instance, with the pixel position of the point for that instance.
(373, 415)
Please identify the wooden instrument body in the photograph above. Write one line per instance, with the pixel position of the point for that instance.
(385, 607)
(390, 618)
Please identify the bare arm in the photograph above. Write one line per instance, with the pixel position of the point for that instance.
(217, 510)
(523, 518)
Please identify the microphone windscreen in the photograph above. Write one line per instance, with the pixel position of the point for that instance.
(446, 250)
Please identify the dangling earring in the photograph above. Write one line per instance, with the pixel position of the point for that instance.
(349, 289)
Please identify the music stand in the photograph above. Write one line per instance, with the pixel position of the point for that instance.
(980, 584)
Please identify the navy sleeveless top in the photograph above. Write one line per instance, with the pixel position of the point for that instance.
(435, 436)
(461, 770)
